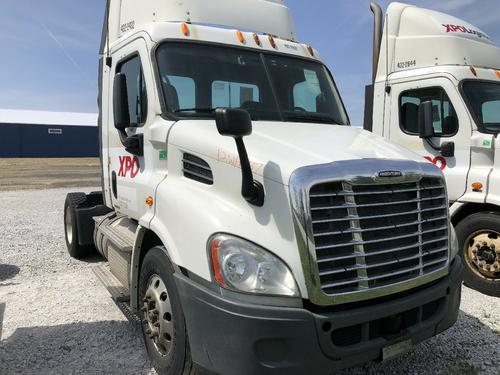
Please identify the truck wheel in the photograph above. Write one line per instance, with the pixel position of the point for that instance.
(163, 324)
(479, 238)
(73, 200)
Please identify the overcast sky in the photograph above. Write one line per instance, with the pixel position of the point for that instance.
(49, 47)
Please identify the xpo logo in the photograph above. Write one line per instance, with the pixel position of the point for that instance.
(129, 166)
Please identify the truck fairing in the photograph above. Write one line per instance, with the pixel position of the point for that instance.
(418, 38)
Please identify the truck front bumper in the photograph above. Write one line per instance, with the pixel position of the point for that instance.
(230, 337)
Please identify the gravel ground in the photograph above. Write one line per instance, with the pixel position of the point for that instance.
(56, 318)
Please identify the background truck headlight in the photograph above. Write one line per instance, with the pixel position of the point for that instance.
(454, 243)
(242, 266)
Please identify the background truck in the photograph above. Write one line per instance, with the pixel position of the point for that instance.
(448, 71)
(245, 223)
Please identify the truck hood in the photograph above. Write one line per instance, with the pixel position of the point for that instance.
(277, 149)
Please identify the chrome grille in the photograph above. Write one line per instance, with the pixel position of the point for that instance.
(368, 236)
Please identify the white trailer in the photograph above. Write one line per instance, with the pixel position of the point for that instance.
(447, 71)
(248, 226)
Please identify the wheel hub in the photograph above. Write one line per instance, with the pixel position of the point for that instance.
(484, 253)
(157, 316)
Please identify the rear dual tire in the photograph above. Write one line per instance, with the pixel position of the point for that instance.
(75, 250)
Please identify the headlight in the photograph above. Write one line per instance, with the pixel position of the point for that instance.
(245, 267)
(454, 243)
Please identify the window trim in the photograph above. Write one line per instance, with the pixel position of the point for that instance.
(167, 115)
(468, 105)
(118, 66)
(400, 109)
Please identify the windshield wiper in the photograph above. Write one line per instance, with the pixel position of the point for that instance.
(311, 117)
(202, 110)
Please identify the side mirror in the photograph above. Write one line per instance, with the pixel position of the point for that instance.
(120, 102)
(425, 120)
(233, 122)
(237, 123)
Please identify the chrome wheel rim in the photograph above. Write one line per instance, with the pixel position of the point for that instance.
(157, 316)
(482, 253)
(69, 227)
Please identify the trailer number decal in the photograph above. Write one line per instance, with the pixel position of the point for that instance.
(407, 64)
(129, 166)
(438, 161)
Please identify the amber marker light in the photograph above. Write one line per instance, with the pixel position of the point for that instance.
(149, 201)
(185, 29)
(272, 41)
(473, 71)
(477, 186)
(311, 50)
(257, 40)
(240, 36)
(214, 252)
(497, 73)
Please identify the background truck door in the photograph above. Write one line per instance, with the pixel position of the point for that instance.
(451, 124)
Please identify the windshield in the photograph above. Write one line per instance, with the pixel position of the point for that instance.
(197, 78)
(484, 101)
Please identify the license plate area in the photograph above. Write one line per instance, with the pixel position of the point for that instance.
(395, 350)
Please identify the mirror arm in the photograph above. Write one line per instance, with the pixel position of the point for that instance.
(251, 190)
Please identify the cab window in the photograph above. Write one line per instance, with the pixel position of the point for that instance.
(136, 90)
(445, 118)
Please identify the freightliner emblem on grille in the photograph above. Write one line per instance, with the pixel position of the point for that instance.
(390, 174)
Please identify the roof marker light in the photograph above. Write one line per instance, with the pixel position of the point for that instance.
(240, 36)
(311, 50)
(497, 72)
(271, 40)
(473, 71)
(257, 40)
(185, 29)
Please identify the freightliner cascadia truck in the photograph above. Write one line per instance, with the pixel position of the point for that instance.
(246, 225)
(446, 72)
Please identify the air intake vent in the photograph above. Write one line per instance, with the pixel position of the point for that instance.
(197, 169)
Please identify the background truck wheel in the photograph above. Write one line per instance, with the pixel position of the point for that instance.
(163, 323)
(479, 240)
(73, 200)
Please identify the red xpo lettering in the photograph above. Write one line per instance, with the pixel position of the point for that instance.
(129, 166)
(458, 28)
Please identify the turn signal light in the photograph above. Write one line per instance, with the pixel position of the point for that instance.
(214, 252)
(477, 186)
(185, 29)
(149, 201)
(240, 36)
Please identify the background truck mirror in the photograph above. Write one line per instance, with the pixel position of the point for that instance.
(425, 120)
(120, 102)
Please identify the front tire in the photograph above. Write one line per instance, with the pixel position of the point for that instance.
(479, 241)
(162, 318)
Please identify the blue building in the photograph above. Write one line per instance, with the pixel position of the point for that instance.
(40, 134)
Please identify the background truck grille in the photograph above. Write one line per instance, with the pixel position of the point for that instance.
(371, 236)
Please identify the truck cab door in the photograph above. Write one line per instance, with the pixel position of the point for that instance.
(133, 178)
(451, 124)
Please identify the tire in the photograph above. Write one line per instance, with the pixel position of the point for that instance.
(158, 293)
(479, 241)
(75, 250)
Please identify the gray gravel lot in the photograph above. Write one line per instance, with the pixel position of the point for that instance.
(56, 318)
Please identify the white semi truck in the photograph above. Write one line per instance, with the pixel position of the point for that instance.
(245, 223)
(446, 72)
